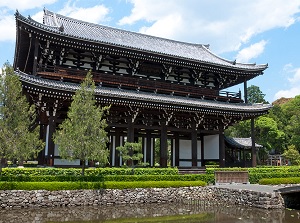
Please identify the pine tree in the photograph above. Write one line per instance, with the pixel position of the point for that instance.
(18, 136)
(82, 134)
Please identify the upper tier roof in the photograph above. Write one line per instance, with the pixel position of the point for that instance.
(69, 27)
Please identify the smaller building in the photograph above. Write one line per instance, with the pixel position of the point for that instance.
(238, 151)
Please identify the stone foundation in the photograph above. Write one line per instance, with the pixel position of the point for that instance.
(43, 198)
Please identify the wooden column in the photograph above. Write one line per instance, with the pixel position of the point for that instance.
(130, 131)
(176, 149)
(117, 143)
(163, 145)
(35, 56)
(202, 150)
(221, 146)
(253, 149)
(51, 145)
(148, 147)
(245, 91)
(194, 146)
(41, 156)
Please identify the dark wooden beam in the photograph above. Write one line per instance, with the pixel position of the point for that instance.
(194, 145)
(163, 145)
(221, 146)
(253, 148)
(148, 147)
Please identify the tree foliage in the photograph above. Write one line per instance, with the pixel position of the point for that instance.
(255, 95)
(19, 137)
(292, 154)
(82, 134)
(131, 151)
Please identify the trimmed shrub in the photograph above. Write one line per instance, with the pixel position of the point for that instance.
(124, 178)
(11, 172)
(52, 186)
(275, 181)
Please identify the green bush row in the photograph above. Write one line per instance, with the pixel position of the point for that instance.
(258, 170)
(255, 178)
(88, 172)
(52, 186)
(275, 181)
(209, 178)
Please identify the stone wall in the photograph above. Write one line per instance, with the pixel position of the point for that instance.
(43, 198)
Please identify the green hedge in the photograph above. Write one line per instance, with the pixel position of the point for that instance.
(10, 172)
(258, 170)
(255, 178)
(51, 186)
(124, 178)
(275, 181)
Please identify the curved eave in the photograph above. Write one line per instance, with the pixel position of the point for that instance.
(139, 98)
(228, 65)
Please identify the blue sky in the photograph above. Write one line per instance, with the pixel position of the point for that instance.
(257, 31)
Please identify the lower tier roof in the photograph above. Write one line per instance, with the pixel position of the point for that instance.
(53, 87)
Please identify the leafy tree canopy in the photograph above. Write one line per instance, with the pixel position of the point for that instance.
(255, 95)
(82, 134)
(19, 136)
(131, 151)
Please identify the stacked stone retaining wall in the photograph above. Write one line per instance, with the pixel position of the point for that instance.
(43, 198)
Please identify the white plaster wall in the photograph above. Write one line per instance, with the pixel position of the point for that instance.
(211, 147)
(185, 152)
(56, 151)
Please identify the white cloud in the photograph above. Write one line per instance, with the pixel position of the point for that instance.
(253, 51)
(291, 93)
(293, 75)
(8, 27)
(226, 25)
(24, 4)
(95, 14)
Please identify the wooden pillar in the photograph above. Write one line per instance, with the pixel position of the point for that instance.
(148, 147)
(117, 144)
(221, 146)
(202, 150)
(130, 131)
(41, 156)
(176, 149)
(35, 56)
(163, 145)
(51, 145)
(253, 149)
(194, 146)
(245, 91)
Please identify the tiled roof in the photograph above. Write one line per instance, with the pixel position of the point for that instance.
(241, 142)
(73, 28)
(146, 96)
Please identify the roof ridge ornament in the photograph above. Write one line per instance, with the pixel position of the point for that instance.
(61, 28)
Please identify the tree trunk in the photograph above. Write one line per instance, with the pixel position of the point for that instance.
(83, 167)
(0, 167)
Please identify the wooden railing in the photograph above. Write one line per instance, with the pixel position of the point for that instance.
(123, 81)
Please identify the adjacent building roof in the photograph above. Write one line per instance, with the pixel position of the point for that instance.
(76, 29)
(146, 97)
(241, 143)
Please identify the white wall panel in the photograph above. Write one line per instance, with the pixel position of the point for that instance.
(211, 147)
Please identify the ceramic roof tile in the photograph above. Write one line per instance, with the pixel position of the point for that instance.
(241, 142)
(136, 41)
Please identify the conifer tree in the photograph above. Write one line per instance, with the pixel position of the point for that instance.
(82, 134)
(19, 137)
